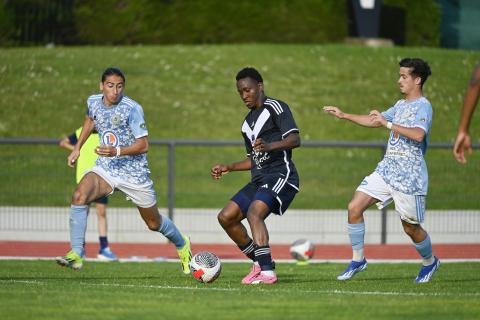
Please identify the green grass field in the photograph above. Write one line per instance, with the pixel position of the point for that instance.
(42, 290)
(188, 92)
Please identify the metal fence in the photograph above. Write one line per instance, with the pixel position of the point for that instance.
(33, 173)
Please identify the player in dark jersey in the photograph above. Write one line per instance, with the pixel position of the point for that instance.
(270, 134)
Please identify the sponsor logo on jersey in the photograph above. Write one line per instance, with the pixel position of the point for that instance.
(109, 138)
(259, 158)
(264, 186)
(115, 120)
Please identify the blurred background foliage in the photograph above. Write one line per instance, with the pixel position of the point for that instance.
(120, 22)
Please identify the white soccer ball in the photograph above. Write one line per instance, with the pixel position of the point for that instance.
(205, 267)
(302, 250)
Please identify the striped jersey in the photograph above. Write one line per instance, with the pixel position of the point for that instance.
(273, 121)
(120, 125)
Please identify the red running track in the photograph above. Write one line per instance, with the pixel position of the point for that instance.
(323, 252)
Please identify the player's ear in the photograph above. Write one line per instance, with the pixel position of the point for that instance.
(260, 86)
(101, 86)
(418, 81)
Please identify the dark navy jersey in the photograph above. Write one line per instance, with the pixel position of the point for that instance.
(273, 121)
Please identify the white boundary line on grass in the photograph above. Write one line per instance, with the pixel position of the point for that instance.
(205, 287)
(163, 259)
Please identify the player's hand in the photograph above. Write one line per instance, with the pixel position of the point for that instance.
(218, 171)
(462, 142)
(106, 151)
(72, 158)
(261, 146)
(377, 119)
(334, 111)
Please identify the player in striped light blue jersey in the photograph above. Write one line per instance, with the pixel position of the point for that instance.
(401, 177)
(122, 164)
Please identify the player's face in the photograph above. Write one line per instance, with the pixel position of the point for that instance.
(112, 89)
(251, 92)
(407, 82)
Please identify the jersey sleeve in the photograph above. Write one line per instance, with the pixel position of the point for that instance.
(423, 117)
(285, 122)
(89, 111)
(389, 113)
(137, 122)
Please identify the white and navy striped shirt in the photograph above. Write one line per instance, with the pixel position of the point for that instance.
(273, 121)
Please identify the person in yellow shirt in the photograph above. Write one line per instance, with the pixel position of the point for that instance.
(85, 162)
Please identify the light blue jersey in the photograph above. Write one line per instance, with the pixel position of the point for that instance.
(120, 125)
(404, 167)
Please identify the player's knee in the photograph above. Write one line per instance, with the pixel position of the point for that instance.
(223, 219)
(78, 198)
(354, 210)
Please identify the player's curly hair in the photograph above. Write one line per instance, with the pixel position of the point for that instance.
(249, 72)
(112, 71)
(420, 68)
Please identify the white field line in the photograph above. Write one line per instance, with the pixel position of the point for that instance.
(207, 288)
(163, 259)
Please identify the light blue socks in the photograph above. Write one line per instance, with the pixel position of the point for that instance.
(78, 227)
(170, 230)
(424, 248)
(356, 232)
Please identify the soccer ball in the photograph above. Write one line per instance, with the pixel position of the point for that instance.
(302, 250)
(205, 267)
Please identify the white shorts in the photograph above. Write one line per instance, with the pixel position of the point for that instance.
(410, 207)
(143, 195)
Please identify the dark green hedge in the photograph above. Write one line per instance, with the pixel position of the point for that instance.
(27, 22)
(422, 21)
(210, 21)
(33, 22)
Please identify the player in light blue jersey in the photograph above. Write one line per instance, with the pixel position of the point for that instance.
(402, 175)
(122, 164)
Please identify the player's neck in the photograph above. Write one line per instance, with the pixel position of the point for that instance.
(107, 103)
(414, 95)
(260, 101)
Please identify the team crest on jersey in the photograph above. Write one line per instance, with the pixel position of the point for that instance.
(115, 120)
(109, 138)
(394, 138)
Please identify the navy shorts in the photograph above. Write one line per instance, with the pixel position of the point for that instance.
(102, 200)
(264, 191)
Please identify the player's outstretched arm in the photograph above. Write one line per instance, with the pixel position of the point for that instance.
(220, 170)
(415, 133)
(363, 120)
(463, 140)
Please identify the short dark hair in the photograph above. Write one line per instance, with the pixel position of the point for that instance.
(112, 71)
(419, 67)
(249, 72)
